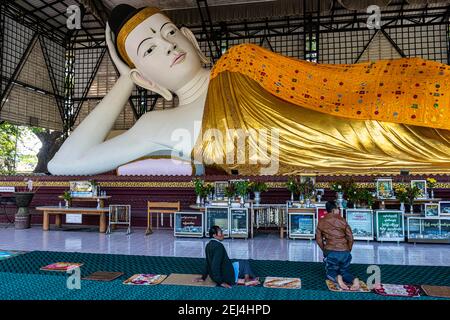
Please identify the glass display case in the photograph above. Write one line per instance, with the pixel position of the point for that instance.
(188, 224)
(425, 229)
(390, 225)
(302, 223)
(239, 220)
(218, 216)
(361, 223)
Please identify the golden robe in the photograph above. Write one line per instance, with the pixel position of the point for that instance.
(366, 118)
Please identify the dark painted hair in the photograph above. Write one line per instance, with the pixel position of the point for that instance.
(214, 230)
(330, 205)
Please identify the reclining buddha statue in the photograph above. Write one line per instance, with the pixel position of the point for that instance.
(365, 118)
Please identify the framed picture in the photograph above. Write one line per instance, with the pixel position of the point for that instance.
(444, 208)
(219, 189)
(385, 189)
(80, 189)
(422, 185)
(431, 209)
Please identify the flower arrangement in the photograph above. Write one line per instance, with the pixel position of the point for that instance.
(67, 196)
(337, 187)
(198, 186)
(258, 186)
(413, 193)
(208, 189)
(407, 193)
(401, 193)
(230, 191)
(346, 186)
(431, 182)
(366, 196)
(307, 188)
(292, 184)
(242, 188)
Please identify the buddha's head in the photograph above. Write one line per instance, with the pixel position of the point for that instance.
(162, 57)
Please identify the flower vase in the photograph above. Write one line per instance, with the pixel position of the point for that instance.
(66, 203)
(292, 197)
(257, 198)
(340, 199)
(308, 203)
(432, 194)
(199, 200)
(242, 201)
(402, 206)
(411, 207)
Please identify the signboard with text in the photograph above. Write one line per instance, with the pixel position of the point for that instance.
(389, 225)
(361, 223)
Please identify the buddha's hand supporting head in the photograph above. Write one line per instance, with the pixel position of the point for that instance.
(121, 66)
(162, 57)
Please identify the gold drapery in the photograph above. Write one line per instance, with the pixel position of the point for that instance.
(408, 91)
(311, 141)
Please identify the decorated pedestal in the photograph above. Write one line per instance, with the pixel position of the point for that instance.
(22, 218)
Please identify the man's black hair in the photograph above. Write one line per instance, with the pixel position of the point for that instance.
(330, 205)
(214, 230)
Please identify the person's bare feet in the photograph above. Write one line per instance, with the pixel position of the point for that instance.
(355, 286)
(341, 283)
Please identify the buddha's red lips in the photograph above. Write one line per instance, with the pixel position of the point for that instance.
(178, 58)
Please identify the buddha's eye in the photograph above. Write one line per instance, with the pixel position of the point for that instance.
(149, 51)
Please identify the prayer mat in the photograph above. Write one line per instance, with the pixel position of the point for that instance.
(61, 266)
(103, 276)
(145, 279)
(332, 286)
(282, 283)
(436, 291)
(397, 290)
(252, 283)
(188, 280)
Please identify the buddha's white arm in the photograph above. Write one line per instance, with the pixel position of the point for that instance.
(94, 128)
(84, 145)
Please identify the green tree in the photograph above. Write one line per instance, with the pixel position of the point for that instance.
(9, 134)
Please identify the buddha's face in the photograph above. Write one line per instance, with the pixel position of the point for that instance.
(161, 53)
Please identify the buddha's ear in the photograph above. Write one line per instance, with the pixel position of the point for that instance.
(190, 36)
(139, 80)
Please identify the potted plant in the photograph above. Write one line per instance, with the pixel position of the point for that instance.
(24, 195)
(198, 188)
(292, 186)
(258, 187)
(67, 198)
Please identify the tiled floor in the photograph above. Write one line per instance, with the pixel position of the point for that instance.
(263, 246)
